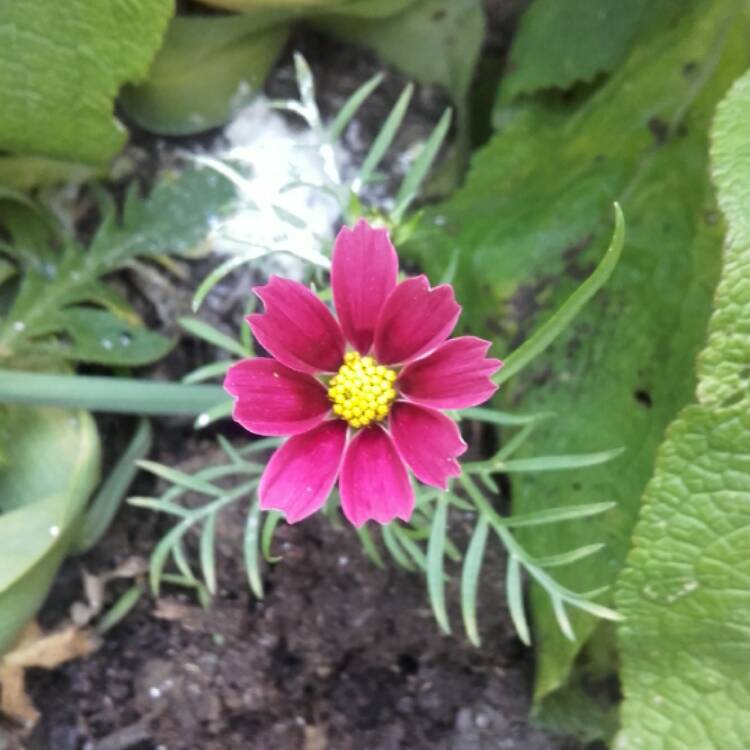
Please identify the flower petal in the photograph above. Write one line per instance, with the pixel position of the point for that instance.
(273, 399)
(455, 376)
(414, 320)
(374, 482)
(297, 328)
(301, 474)
(363, 274)
(428, 441)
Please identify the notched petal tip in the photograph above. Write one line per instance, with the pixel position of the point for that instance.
(415, 319)
(364, 271)
(296, 327)
(455, 375)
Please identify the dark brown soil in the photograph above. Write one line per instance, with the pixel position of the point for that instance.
(338, 655)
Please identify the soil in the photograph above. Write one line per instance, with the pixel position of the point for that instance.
(339, 655)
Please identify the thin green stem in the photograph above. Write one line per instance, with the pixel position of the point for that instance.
(120, 395)
(549, 331)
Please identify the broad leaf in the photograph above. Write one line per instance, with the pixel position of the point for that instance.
(52, 467)
(684, 591)
(561, 44)
(452, 31)
(533, 217)
(61, 65)
(208, 68)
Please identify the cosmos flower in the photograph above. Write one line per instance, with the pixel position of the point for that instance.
(359, 397)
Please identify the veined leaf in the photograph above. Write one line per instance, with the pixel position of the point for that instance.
(684, 590)
(54, 112)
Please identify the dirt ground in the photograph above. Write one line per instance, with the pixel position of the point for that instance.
(339, 655)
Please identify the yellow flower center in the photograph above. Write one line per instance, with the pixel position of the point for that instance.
(362, 390)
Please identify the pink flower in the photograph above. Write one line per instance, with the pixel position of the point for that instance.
(359, 415)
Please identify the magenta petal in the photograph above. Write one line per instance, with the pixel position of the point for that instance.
(414, 320)
(428, 441)
(272, 399)
(456, 375)
(297, 328)
(374, 482)
(301, 474)
(363, 274)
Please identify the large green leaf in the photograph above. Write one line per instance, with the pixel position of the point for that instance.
(560, 44)
(684, 591)
(59, 287)
(61, 65)
(534, 215)
(208, 68)
(453, 33)
(53, 465)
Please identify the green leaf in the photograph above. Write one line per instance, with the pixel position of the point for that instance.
(684, 591)
(435, 561)
(207, 69)
(452, 30)
(214, 336)
(109, 497)
(560, 44)
(116, 395)
(99, 337)
(470, 579)
(531, 221)
(174, 218)
(252, 549)
(61, 65)
(52, 468)
(208, 553)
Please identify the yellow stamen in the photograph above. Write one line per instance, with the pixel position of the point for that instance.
(362, 391)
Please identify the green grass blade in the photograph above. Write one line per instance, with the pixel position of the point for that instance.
(393, 546)
(412, 549)
(162, 551)
(351, 107)
(269, 526)
(419, 169)
(435, 561)
(384, 139)
(175, 476)
(120, 609)
(555, 515)
(116, 395)
(251, 546)
(214, 414)
(565, 558)
(550, 330)
(501, 418)
(557, 463)
(159, 505)
(203, 330)
(563, 622)
(110, 495)
(212, 370)
(208, 553)
(470, 579)
(369, 546)
(213, 278)
(514, 594)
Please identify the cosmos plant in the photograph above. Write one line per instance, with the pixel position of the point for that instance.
(359, 398)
